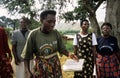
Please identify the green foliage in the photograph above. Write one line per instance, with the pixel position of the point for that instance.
(69, 45)
(77, 14)
(68, 16)
(15, 24)
(72, 32)
(8, 22)
(34, 24)
(69, 32)
(84, 9)
(18, 6)
(28, 6)
(9, 31)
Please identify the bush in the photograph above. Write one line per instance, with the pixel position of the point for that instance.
(69, 45)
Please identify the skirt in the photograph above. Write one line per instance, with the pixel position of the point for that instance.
(107, 66)
(6, 70)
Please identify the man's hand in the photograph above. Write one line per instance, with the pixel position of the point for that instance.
(29, 74)
(73, 56)
(17, 61)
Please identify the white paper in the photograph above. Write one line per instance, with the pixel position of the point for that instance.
(72, 65)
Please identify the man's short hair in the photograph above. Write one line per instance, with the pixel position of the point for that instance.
(44, 14)
(23, 18)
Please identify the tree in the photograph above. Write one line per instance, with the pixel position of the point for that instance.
(21, 7)
(28, 6)
(6, 22)
(18, 6)
(113, 16)
(85, 9)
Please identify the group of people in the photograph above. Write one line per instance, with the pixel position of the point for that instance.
(43, 43)
(101, 53)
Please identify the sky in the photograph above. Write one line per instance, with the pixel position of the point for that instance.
(4, 12)
(100, 13)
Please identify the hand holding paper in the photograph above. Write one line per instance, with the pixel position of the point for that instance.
(74, 57)
(71, 65)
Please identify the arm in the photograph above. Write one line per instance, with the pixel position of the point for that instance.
(61, 47)
(94, 53)
(17, 61)
(94, 43)
(14, 48)
(70, 55)
(75, 44)
(117, 50)
(27, 54)
(75, 49)
(118, 55)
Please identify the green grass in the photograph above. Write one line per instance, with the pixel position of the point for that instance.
(69, 45)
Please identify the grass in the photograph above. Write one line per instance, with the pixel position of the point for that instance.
(69, 45)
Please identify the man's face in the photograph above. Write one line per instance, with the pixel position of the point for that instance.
(106, 30)
(48, 23)
(23, 24)
(85, 26)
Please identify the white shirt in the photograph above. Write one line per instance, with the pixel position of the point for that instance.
(94, 40)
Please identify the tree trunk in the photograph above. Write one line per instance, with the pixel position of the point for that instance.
(95, 25)
(113, 16)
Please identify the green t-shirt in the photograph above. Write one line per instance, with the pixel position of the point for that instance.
(42, 44)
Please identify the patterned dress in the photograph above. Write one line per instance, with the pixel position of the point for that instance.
(84, 46)
(5, 66)
(48, 68)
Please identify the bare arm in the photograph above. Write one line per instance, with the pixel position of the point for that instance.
(75, 49)
(70, 55)
(94, 53)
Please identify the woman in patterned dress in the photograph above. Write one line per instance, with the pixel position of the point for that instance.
(107, 63)
(84, 48)
(44, 42)
(5, 56)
